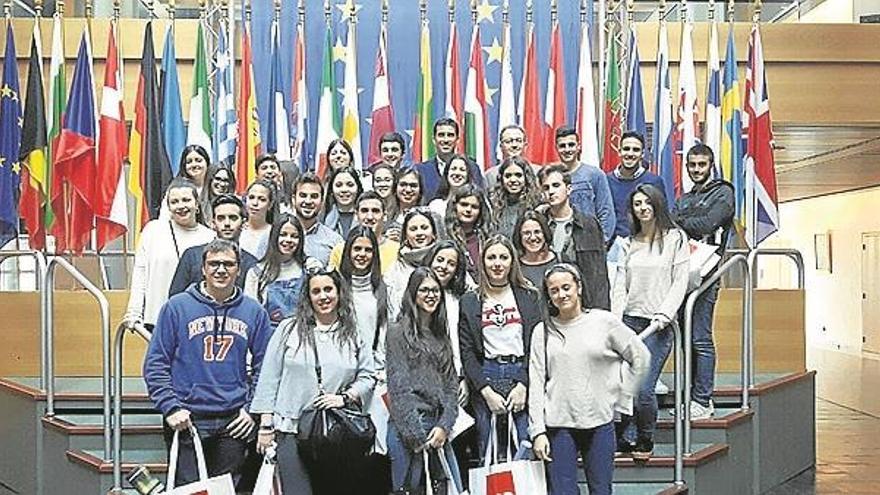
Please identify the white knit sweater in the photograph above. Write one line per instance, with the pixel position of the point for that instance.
(155, 263)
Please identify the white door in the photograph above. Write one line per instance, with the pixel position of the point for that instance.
(871, 292)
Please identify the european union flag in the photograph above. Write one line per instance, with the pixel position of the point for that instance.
(10, 142)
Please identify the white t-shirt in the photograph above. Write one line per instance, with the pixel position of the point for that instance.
(502, 326)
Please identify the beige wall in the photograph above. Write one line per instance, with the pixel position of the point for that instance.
(830, 11)
(833, 300)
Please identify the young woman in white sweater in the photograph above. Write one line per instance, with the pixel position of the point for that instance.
(360, 266)
(419, 233)
(575, 383)
(161, 244)
(649, 287)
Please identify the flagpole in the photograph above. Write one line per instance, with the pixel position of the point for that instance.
(630, 24)
(730, 11)
(601, 52)
(750, 184)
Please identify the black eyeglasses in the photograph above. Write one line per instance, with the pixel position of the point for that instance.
(216, 264)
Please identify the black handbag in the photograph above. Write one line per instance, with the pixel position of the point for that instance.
(333, 435)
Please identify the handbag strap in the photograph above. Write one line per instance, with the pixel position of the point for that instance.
(317, 365)
(175, 451)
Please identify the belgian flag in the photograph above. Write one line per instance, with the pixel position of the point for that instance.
(34, 149)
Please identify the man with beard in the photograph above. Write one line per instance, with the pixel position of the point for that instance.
(577, 236)
(196, 366)
(308, 196)
(446, 135)
(228, 219)
(589, 186)
(706, 214)
(624, 179)
(370, 212)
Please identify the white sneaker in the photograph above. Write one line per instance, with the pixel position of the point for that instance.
(661, 388)
(699, 411)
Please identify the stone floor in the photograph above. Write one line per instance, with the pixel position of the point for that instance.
(847, 428)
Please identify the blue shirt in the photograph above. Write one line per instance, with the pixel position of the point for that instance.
(320, 240)
(591, 195)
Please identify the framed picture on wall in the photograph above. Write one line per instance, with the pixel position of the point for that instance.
(822, 250)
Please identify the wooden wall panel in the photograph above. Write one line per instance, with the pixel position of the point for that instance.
(77, 334)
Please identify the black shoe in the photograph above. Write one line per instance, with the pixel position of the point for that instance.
(643, 450)
(624, 448)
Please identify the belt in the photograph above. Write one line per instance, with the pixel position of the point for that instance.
(511, 359)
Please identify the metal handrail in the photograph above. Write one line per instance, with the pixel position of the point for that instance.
(40, 268)
(678, 378)
(746, 356)
(792, 254)
(49, 330)
(137, 329)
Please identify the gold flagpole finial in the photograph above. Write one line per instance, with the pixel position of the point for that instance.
(529, 11)
(711, 11)
(172, 11)
(756, 17)
(247, 11)
(89, 9)
(474, 12)
(301, 12)
(328, 14)
(730, 11)
(384, 11)
(451, 10)
(505, 12)
(423, 10)
(38, 8)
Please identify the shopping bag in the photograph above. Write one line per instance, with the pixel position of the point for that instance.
(451, 488)
(268, 482)
(516, 477)
(703, 259)
(218, 485)
(377, 408)
(463, 422)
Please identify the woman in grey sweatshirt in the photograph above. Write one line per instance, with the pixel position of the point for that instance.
(576, 381)
(288, 385)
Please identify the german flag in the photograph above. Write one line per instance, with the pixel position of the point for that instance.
(34, 149)
(150, 171)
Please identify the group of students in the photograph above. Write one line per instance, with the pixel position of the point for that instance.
(505, 294)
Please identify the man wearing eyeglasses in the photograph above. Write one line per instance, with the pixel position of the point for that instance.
(629, 174)
(196, 367)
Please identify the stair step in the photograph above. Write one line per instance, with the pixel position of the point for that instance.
(644, 488)
(92, 424)
(664, 456)
(725, 417)
(155, 460)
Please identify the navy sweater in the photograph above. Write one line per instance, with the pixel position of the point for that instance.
(197, 355)
(621, 189)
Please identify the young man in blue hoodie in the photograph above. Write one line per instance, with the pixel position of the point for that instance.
(196, 365)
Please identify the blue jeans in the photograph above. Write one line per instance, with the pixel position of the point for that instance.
(596, 447)
(223, 454)
(407, 466)
(645, 406)
(703, 345)
(501, 377)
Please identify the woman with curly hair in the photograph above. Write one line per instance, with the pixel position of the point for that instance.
(516, 192)
(275, 280)
(422, 388)
(325, 326)
(468, 222)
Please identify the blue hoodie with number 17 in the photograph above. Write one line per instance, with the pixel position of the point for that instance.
(197, 358)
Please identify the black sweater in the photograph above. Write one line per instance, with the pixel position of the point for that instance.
(418, 388)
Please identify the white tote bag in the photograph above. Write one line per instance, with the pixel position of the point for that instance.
(377, 408)
(267, 479)
(520, 477)
(218, 485)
